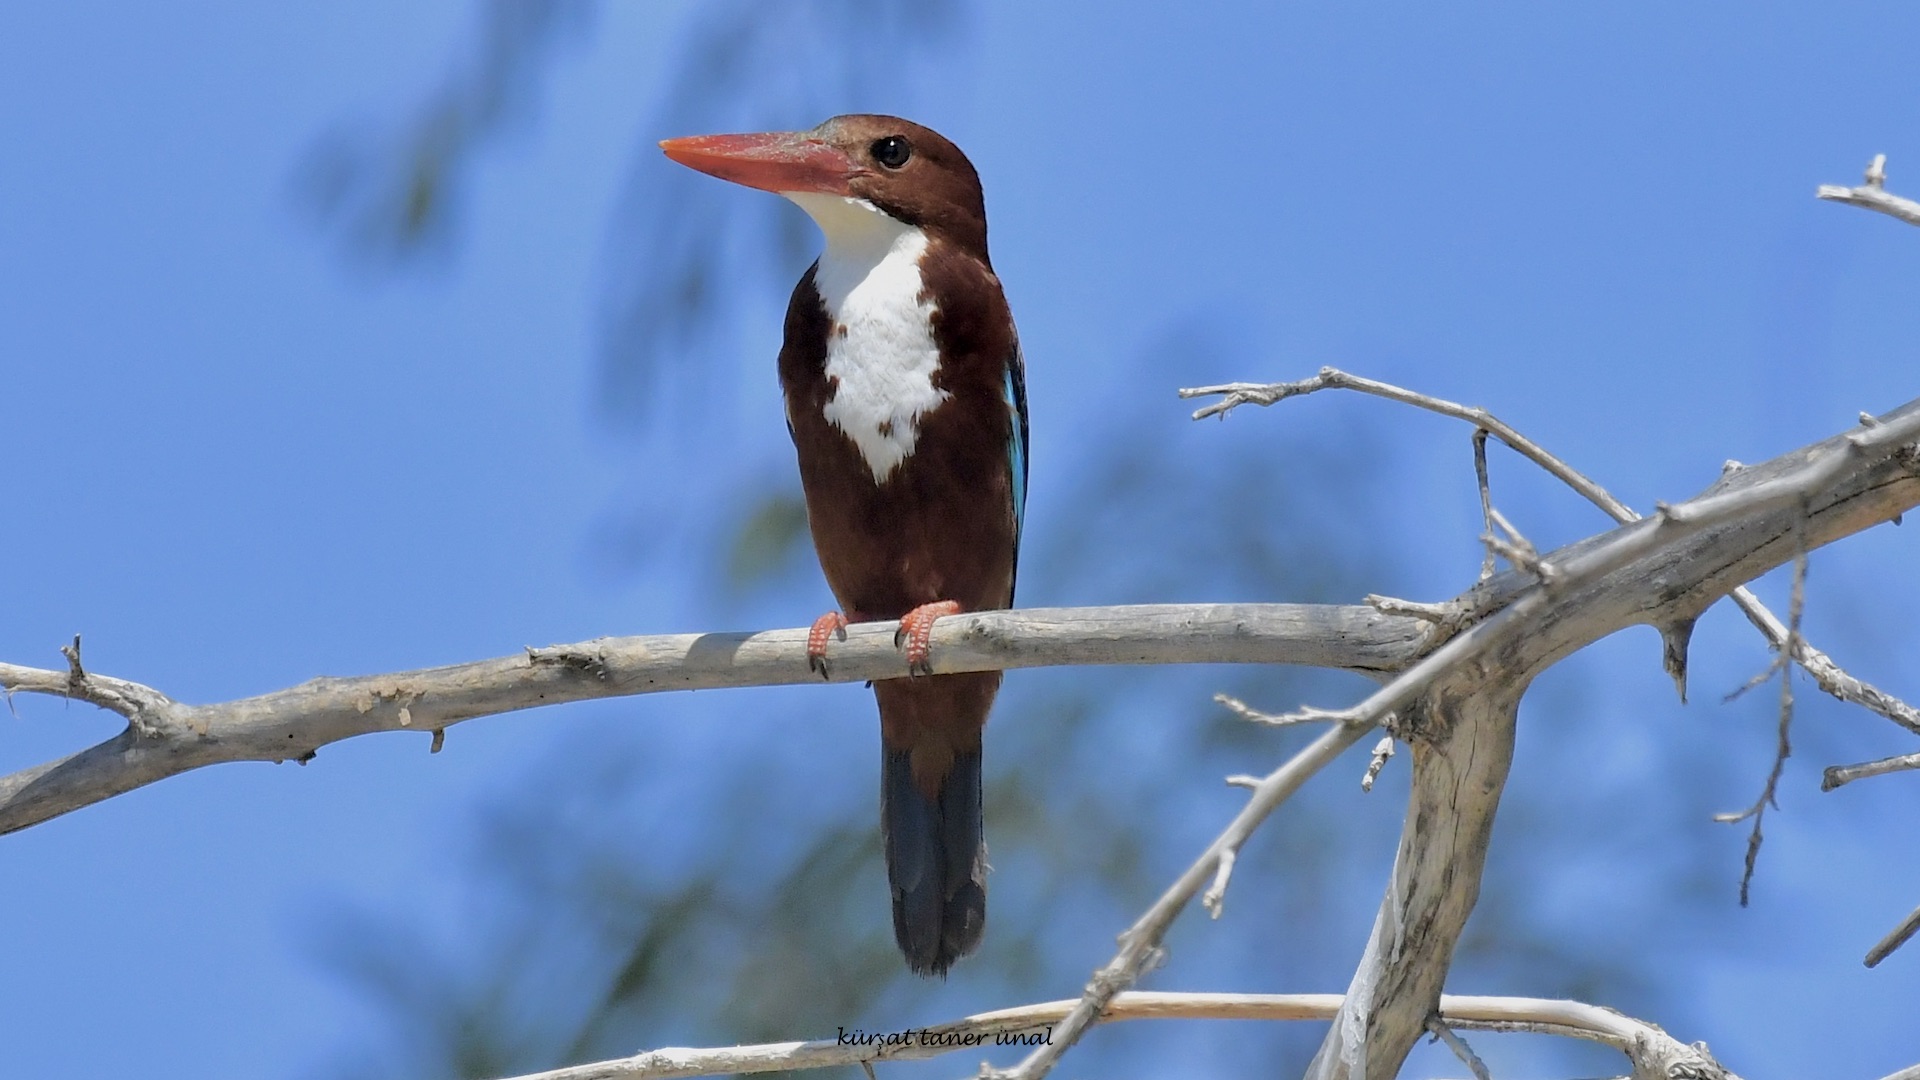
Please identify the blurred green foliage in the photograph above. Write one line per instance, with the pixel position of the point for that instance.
(391, 194)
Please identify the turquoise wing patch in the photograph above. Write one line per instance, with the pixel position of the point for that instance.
(1016, 394)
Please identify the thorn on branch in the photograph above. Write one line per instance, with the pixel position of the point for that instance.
(76, 674)
(1675, 637)
(1486, 496)
(1242, 780)
(1448, 615)
(1382, 752)
(1214, 899)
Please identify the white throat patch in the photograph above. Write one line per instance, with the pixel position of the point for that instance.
(881, 355)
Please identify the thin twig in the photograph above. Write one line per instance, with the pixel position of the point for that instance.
(1517, 549)
(1247, 712)
(168, 737)
(1459, 1047)
(1838, 775)
(1829, 676)
(1639, 1040)
(1783, 746)
(76, 674)
(1486, 496)
(1895, 938)
(1140, 944)
(1313, 714)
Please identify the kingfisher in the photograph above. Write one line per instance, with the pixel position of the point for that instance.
(906, 400)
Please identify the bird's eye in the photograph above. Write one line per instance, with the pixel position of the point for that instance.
(891, 151)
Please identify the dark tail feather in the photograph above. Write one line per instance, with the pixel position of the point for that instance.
(936, 861)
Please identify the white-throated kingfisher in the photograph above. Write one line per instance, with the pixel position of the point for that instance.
(906, 399)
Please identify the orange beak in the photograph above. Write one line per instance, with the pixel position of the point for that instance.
(772, 161)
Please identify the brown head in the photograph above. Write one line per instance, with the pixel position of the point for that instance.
(910, 173)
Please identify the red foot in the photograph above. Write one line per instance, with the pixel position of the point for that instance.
(824, 627)
(916, 629)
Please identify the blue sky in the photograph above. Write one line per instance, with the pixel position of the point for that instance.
(240, 460)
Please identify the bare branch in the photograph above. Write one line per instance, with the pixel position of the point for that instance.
(1140, 944)
(168, 737)
(1783, 745)
(1640, 1041)
(1514, 547)
(1895, 938)
(1248, 713)
(1838, 775)
(1826, 674)
(1456, 699)
(1486, 495)
(147, 710)
(1470, 687)
(1329, 378)
(1304, 715)
(1873, 194)
(1656, 570)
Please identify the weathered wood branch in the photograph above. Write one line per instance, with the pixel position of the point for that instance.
(1828, 675)
(1873, 194)
(1841, 775)
(1648, 1048)
(166, 737)
(1663, 571)
(1454, 697)
(1457, 706)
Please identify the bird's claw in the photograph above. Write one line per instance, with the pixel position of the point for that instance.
(916, 631)
(824, 627)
